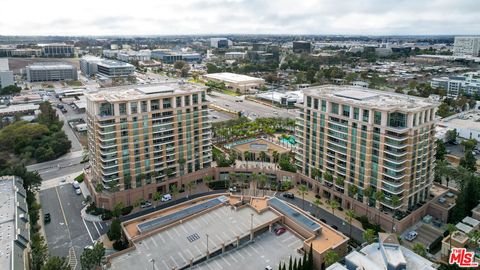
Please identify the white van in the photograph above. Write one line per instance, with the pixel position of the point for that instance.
(166, 197)
(76, 185)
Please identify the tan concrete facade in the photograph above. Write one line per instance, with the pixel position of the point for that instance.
(141, 136)
(368, 138)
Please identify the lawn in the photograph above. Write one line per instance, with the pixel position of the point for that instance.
(74, 83)
(230, 92)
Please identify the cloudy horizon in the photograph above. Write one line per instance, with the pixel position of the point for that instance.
(213, 17)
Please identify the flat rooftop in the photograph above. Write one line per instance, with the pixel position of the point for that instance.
(175, 246)
(142, 92)
(467, 120)
(380, 100)
(7, 221)
(49, 66)
(19, 108)
(260, 145)
(233, 78)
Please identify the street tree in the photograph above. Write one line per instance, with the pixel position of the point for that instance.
(91, 258)
(302, 191)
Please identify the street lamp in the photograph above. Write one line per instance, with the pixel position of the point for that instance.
(153, 263)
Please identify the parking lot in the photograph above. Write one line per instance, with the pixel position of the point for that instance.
(268, 249)
(67, 233)
(177, 245)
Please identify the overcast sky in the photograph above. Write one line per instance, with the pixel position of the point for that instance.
(177, 17)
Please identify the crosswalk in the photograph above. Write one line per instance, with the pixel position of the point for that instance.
(72, 258)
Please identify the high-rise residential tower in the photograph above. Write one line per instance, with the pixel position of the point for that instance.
(146, 136)
(351, 136)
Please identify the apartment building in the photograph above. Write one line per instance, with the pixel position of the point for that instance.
(6, 75)
(463, 46)
(50, 71)
(367, 138)
(146, 136)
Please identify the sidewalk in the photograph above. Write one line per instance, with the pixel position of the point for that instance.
(310, 197)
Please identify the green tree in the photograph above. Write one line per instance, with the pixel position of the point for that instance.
(179, 64)
(419, 248)
(56, 263)
(333, 205)
(115, 230)
(117, 209)
(367, 193)
(91, 258)
(451, 229)
(39, 251)
(395, 203)
(469, 161)
(331, 257)
(379, 197)
(302, 191)
(317, 202)
(156, 197)
(451, 135)
(262, 181)
(441, 150)
(350, 215)
(369, 236)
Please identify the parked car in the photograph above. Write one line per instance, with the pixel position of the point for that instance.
(334, 227)
(232, 189)
(289, 195)
(76, 185)
(46, 218)
(166, 197)
(145, 204)
(280, 230)
(411, 235)
(268, 267)
(78, 191)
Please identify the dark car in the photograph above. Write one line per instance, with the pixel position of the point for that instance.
(289, 195)
(46, 218)
(323, 220)
(280, 231)
(334, 227)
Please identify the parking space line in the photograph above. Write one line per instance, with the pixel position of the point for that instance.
(154, 242)
(100, 224)
(225, 260)
(218, 264)
(287, 239)
(233, 258)
(248, 253)
(190, 253)
(181, 255)
(161, 237)
(226, 235)
(169, 235)
(199, 252)
(256, 251)
(191, 226)
(176, 231)
(145, 244)
(173, 260)
(94, 225)
(293, 244)
(198, 223)
(183, 228)
(88, 231)
(219, 239)
(240, 254)
(166, 265)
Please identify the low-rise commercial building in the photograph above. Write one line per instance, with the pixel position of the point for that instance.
(169, 56)
(220, 43)
(238, 82)
(90, 66)
(57, 50)
(288, 99)
(15, 226)
(466, 123)
(468, 83)
(6, 75)
(302, 47)
(235, 55)
(51, 71)
(128, 56)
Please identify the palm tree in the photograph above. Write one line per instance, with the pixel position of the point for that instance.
(369, 236)
(379, 197)
(340, 182)
(181, 162)
(328, 177)
(207, 179)
(451, 229)
(395, 203)
(350, 216)
(262, 156)
(275, 156)
(190, 185)
(174, 190)
(303, 190)
(367, 192)
(317, 202)
(231, 177)
(331, 257)
(253, 180)
(156, 198)
(353, 190)
(334, 205)
(262, 180)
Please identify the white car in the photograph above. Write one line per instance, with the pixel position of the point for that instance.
(411, 235)
(166, 197)
(78, 191)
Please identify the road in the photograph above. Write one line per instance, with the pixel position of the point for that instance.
(67, 233)
(342, 225)
(250, 108)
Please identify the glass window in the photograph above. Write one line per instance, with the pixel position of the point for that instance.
(377, 118)
(334, 108)
(346, 110)
(324, 106)
(187, 100)
(397, 119)
(144, 106)
(179, 101)
(133, 107)
(315, 104)
(365, 115)
(122, 107)
(167, 103)
(154, 105)
(309, 101)
(106, 109)
(356, 113)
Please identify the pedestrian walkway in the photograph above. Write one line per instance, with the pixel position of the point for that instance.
(310, 197)
(62, 180)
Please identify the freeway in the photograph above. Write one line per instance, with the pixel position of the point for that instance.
(251, 109)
